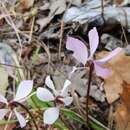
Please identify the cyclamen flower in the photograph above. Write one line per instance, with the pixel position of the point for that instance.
(51, 114)
(24, 89)
(80, 52)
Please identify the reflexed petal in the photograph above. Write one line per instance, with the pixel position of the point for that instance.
(20, 118)
(51, 115)
(64, 91)
(100, 71)
(93, 41)
(3, 99)
(110, 56)
(49, 83)
(24, 89)
(67, 101)
(44, 94)
(3, 112)
(79, 49)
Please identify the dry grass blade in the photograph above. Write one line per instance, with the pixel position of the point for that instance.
(9, 20)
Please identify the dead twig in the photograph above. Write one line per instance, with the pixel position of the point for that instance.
(61, 37)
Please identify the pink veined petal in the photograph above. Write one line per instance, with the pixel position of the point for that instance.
(79, 49)
(93, 41)
(3, 112)
(100, 71)
(51, 115)
(24, 89)
(110, 56)
(44, 94)
(20, 118)
(64, 91)
(67, 100)
(3, 99)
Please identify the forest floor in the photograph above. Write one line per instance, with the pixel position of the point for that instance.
(33, 46)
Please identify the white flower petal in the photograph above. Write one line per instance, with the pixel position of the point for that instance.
(44, 94)
(3, 99)
(24, 89)
(20, 118)
(49, 83)
(67, 100)
(64, 91)
(51, 115)
(3, 112)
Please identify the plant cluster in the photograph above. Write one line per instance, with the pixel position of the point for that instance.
(58, 99)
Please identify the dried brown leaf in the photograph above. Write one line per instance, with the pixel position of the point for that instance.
(119, 65)
(43, 22)
(122, 118)
(121, 2)
(25, 4)
(125, 96)
(122, 113)
(113, 87)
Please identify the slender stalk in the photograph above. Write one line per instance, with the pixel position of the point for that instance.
(11, 66)
(102, 10)
(26, 109)
(6, 126)
(88, 90)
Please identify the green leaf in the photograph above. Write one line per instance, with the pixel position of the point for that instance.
(35, 103)
(95, 126)
(73, 115)
(60, 125)
(4, 122)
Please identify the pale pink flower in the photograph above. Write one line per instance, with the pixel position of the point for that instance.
(24, 89)
(80, 52)
(51, 114)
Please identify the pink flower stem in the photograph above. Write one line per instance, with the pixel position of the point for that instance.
(26, 109)
(88, 90)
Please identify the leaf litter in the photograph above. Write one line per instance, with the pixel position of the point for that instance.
(40, 57)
